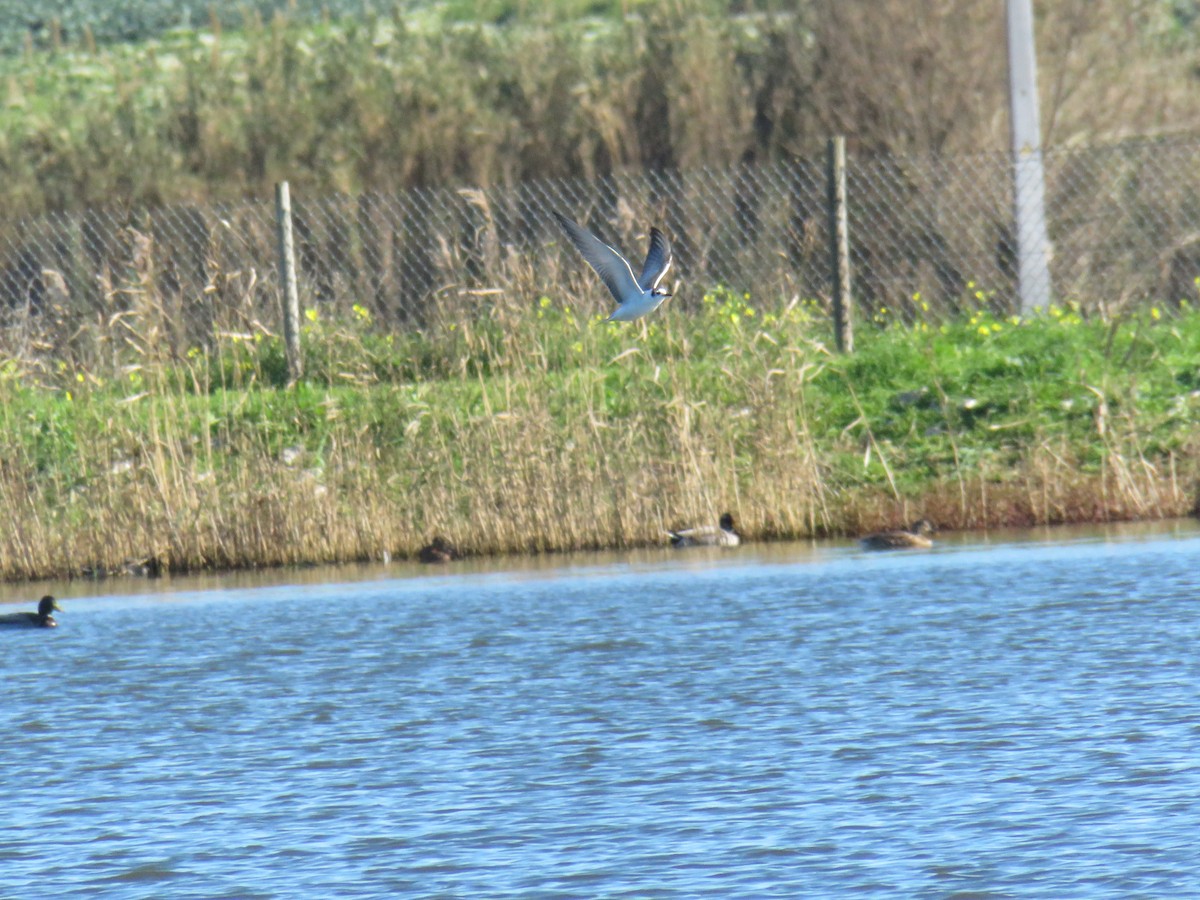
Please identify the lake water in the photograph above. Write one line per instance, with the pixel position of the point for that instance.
(1009, 718)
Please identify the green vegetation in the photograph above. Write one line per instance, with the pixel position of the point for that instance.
(545, 429)
(510, 422)
(55, 24)
(497, 92)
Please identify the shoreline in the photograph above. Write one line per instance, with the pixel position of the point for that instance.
(544, 564)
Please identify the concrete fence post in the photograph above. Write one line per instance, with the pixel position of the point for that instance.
(839, 245)
(287, 279)
(1029, 182)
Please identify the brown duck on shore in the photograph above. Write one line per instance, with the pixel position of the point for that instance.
(915, 538)
(39, 619)
(439, 550)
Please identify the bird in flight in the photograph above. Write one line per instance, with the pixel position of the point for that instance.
(635, 296)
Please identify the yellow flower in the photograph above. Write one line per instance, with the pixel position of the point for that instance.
(311, 315)
(1155, 314)
(544, 303)
(984, 330)
(1014, 320)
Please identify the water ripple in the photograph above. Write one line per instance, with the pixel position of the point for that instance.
(1017, 722)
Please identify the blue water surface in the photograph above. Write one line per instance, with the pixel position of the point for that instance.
(983, 720)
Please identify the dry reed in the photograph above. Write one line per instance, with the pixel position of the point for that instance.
(532, 427)
(383, 102)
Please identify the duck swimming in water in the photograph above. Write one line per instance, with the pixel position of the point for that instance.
(915, 538)
(722, 535)
(39, 619)
(439, 550)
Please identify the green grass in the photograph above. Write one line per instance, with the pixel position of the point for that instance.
(378, 100)
(63, 23)
(337, 99)
(543, 428)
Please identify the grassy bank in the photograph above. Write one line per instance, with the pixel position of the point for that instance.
(542, 429)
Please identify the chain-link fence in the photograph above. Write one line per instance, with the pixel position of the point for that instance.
(1124, 222)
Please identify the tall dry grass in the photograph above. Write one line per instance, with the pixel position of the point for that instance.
(389, 101)
(533, 427)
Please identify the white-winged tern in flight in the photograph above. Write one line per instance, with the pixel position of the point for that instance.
(635, 296)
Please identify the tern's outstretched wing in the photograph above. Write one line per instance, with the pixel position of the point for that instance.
(610, 265)
(658, 260)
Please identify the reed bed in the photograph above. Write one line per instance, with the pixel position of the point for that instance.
(416, 95)
(535, 427)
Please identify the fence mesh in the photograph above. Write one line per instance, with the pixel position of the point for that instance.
(929, 236)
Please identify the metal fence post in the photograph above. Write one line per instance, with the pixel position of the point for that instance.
(839, 245)
(287, 277)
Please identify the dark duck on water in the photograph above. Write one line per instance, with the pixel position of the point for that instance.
(915, 538)
(40, 619)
